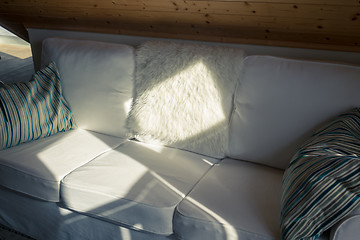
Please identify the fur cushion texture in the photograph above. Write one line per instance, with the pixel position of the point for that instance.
(183, 95)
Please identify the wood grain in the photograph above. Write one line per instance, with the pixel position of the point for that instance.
(321, 24)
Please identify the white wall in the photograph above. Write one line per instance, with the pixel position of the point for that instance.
(37, 35)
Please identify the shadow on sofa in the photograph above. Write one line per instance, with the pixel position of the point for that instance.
(136, 185)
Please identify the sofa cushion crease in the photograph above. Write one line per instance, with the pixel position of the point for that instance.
(199, 226)
(36, 168)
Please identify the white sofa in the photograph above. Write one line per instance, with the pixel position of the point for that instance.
(108, 180)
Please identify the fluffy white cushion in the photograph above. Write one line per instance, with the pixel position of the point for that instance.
(183, 95)
(97, 80)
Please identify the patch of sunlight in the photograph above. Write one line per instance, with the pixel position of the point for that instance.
(207, 162)
(144, 193)
(4, 32)
(127, 105)
(14, 46)
(138, 226)
(54, 151)
(21, 52)
(181, 97)
(125, 233)
(139, 198)
(168, 185)
(153, 147)
(138, 171)
(230, 231)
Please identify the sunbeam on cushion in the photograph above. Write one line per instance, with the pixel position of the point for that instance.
(183, 95)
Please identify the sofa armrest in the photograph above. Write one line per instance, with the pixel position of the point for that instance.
(346, 229)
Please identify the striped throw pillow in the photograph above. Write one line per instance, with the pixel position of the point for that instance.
(322, 183)
(34, 109)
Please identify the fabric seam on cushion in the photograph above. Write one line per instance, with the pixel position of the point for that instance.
(78, 187)
(100, 154)
(181, 149)
(58, 183)
(86, 212)
(220, 223)
(197, 182)
(29, 174)
(33, 195)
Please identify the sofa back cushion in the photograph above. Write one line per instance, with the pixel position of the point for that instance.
(279, 102)
(97, 81)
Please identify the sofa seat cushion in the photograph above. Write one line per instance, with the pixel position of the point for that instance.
(138, 185)
(235, 200)
(36, 168)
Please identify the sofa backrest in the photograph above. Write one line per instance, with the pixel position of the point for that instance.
(279, 102)
(97, 80)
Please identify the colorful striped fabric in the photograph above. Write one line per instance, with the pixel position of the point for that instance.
(322, 182)
(34, 109)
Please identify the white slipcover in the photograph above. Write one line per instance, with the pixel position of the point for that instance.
(137, 185)
(279, 101)
(47, 221)
(236, 200)
(36, 168)
(97, 81)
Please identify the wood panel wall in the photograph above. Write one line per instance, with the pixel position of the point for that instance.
(319, 24)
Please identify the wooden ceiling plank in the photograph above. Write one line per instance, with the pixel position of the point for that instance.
(217, 7)
(289, 24)
(245, 37)
(330, 22)
(322, 2)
